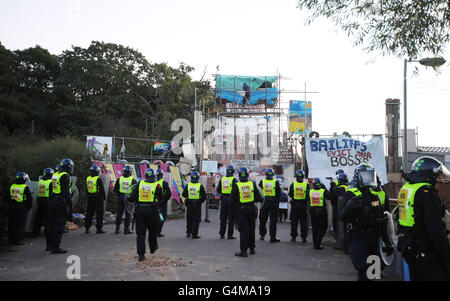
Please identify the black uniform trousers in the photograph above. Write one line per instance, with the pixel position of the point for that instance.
(57, 218)
(94, 206)
(299, 210)
(193, 216)
(162, 205)
(226, 215)
(41, 218)
(319, 223)
(362, 246)
(16, 222)
(246, 220)
(146, 220)
(121, 207)
(269, 210)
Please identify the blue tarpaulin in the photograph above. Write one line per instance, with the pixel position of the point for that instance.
(256, 96)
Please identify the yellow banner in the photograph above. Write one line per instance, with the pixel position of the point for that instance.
(177, 181)
(109, 168)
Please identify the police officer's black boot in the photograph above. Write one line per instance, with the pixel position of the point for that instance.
(252, 252)
(117, 229)
(274, 239)
(100, 231)
(57, 250)
(241, 254)
(141, 257)
(127, 231)
(293, 238)
(231, 237)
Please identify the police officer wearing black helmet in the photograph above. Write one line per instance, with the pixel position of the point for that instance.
(20, 202)
(226, 213)
(165, 196)
(363, 213)
(244, 194)
(95, 200)
(299, 194)
(423, 239)
(122, 188)
(269, 210)
(318, 210)
(44, 194)
(146, 195)
(59, 203)
(194, 194)
(337, 194)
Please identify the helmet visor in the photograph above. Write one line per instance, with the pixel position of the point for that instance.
(368, 178)
(444, 173)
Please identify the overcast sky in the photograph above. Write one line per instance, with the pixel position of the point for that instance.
(251, 37)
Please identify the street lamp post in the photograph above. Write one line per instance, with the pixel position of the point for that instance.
(429, 62)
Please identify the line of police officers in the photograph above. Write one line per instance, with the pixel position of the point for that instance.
(422, 241)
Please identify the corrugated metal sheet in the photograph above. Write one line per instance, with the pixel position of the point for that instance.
(433, 149)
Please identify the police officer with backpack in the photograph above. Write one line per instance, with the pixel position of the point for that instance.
(269, 209)
(20, 202)
(59, 203)
(244, 194)
(44, 194)
(363, 214)
(165, 196)
(226, 213)
(122, 188)
(146, 195)
(299, 194)
(423, 240)
(318, 209)
(95, 200)
(195, 195)
(337, 194)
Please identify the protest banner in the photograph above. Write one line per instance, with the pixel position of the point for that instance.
(326, 155)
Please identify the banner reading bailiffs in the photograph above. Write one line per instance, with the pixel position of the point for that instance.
(326, 155)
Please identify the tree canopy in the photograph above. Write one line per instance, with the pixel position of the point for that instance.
(104, 89)
(404, 28)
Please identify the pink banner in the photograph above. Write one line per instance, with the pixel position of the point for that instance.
(102, 167)
(118, 170)
(143, 168)
(164, 167)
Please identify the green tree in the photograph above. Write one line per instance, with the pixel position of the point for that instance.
(404, 28)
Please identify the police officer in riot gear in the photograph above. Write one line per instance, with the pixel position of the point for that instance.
(195, 195)
(44, 194)
(269, 210)
(226, 215)
(95, 200)
(59, 203)
(381, 195)
(165, 196)
(318, 209)
(423, 240)
(20, 203)
(122, 188)
(299, 194)
(363, 213)
(337, 193)
(146, 194)
(244, 194)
